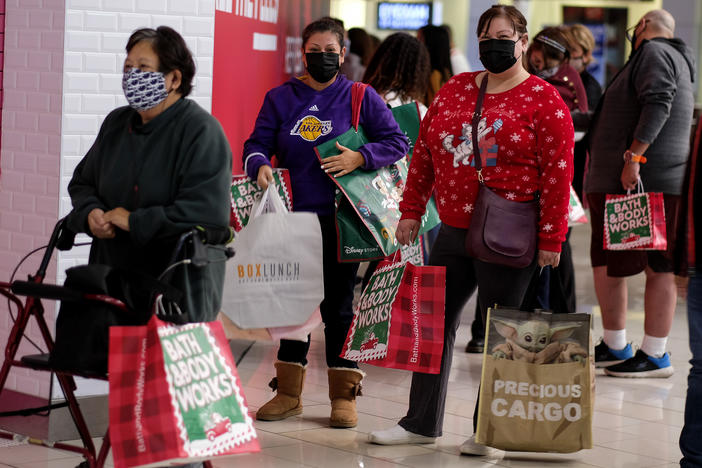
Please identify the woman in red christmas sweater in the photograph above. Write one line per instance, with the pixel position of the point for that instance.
(526, 144)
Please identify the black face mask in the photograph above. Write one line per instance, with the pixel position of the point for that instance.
(322, 66)
(497, 55)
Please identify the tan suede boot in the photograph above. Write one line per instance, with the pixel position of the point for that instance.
(287, 402)
(344, 386)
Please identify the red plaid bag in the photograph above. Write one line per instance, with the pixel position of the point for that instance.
(635, 222)
(399, 320)
(175, 395)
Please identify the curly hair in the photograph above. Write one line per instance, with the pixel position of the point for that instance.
(401, 65)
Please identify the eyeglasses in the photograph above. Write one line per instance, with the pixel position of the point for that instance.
(630, 31)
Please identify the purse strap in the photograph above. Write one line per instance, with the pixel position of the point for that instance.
(358, 90)
(477, 114)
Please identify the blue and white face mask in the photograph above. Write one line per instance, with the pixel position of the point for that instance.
(144, 90)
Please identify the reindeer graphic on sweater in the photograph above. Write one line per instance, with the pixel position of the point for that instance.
(463, 152)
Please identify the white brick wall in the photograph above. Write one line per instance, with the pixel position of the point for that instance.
(95, 36)
(96, 33)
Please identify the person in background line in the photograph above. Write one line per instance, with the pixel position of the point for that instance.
(321, 102)
(581, 44)
(459, 63)
(158, 167)
(359, 54)
(437, 41)
(548, 58)
(399, 72)
(692, 233)
(640, 132)
(530, 141)
(375, 43)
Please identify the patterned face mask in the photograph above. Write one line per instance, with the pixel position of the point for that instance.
(143, 90)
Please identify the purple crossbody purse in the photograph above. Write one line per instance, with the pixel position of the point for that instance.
(501, 231)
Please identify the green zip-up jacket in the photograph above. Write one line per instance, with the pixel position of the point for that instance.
(171, 174)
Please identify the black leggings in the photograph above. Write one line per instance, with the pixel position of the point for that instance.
(336, 308)
(496, 284)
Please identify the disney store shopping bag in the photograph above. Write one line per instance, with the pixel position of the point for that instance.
(246, 191)
(537, 382)
(175, 395)
(275, 278)
(368, 202)
(635, 221)
(399, 319)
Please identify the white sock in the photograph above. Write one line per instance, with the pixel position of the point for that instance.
(653, 346)
(615, 339)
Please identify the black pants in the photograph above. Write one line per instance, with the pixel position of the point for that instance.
(496, 284)
(336, 308)
(554, 289)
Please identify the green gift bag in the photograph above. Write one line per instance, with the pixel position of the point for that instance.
(368, 202)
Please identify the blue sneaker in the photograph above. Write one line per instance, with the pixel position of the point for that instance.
(642, 366)
(606, 356)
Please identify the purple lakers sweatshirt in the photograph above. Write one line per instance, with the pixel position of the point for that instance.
(295, 118)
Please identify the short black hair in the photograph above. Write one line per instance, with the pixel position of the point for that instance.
(172, 53)
(323, 25)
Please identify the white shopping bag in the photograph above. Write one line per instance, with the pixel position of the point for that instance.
(275, 278)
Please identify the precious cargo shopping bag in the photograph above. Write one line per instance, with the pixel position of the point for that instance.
(368, 202)
(175, 396)
(536, 388)
(399, 319)
(275, 278)
(635, 221)
(246, 191)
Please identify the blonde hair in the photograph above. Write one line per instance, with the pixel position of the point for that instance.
(580, 35)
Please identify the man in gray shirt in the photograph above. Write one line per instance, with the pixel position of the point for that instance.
(641, 130)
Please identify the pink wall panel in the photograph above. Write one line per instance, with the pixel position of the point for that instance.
(30, 157)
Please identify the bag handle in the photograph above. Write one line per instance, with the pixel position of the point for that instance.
(639, 186)
(270, 202)
(477, 114)
(358, 90)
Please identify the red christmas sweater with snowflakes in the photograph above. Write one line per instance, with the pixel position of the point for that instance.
(526, 144)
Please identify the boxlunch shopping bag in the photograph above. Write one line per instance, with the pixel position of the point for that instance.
(245, 192)
(275, 278)
(635, 221)
(368, 202)
(175, 395)
(537, 382)
(399, 319)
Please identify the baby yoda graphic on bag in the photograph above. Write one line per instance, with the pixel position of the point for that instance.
(537, 341)
(525, 405)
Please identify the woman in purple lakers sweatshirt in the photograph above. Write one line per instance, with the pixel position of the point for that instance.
(295, 118)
